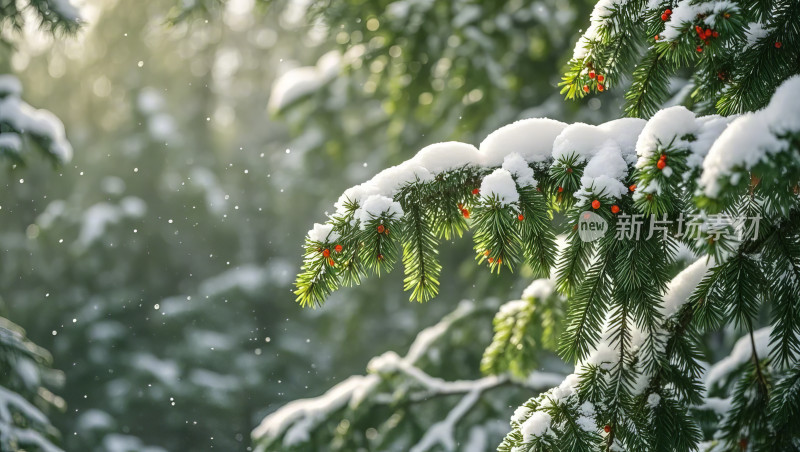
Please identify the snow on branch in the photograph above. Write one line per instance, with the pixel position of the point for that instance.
(533, 422)
(12, 403)
(20, 120)
(509, 184)
(300, 82)
(295, 421)
(753, 138)
(742, 353)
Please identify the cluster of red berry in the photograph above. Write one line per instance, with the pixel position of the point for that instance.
(327, 253)
(463, 210)
(705, 36)
(615, 208)
(662, 162)
(491, 259)
(665, 17)
(599, 77)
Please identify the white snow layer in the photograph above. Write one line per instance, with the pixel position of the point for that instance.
(530, 138)
(682, 285)
(600, 14)
(753, 137)
(302, 81)
(500, 185)
(65, 9)
(299, 417)
(686, 12)
(24, 119)
(741, 353)
(539, 289)
(323, 233)
(376, 206)
(717, 147)
(519, 168)
(307, 411)
(536, 423)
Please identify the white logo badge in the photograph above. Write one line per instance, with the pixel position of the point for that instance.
(591, 226)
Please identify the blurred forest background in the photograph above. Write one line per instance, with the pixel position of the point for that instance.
(157, 266)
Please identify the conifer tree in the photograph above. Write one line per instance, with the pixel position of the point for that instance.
(25, 372)
(637, 194)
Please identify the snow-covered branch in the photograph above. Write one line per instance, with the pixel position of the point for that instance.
(295, 421)
(20, 120)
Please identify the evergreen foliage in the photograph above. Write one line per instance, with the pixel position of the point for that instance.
(427, 71)
(739, 52)
(25, 373)
(53, 16)
(25, 368)
(724, 188)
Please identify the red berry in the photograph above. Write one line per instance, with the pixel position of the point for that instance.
(486, 253)
(520, 217)
(664, 17)
(491, 260)
(632, 187)
(592, 74)
(614, 209)
(499, 260)
(656, 38)
(476, 191)
(331, 262)
(560, 189)
(569, 170)
(381, 228)
(699, 49)
(668, 11)
(715, 34)
(661, 164)
(708, 33)
(326, 252)
(595, 204)
(600, 78)
(607, 428)
(600, 87)
(778, 45)
(465, 212)
(698, 29)
(586, 88)
(338, 248)
(663, 157)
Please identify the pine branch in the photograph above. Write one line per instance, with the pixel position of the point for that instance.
(649, 88)
(585, 311)
(419, 256)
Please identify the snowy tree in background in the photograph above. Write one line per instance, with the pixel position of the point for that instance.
(25, 372)
(427, 71)
(639, 196)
